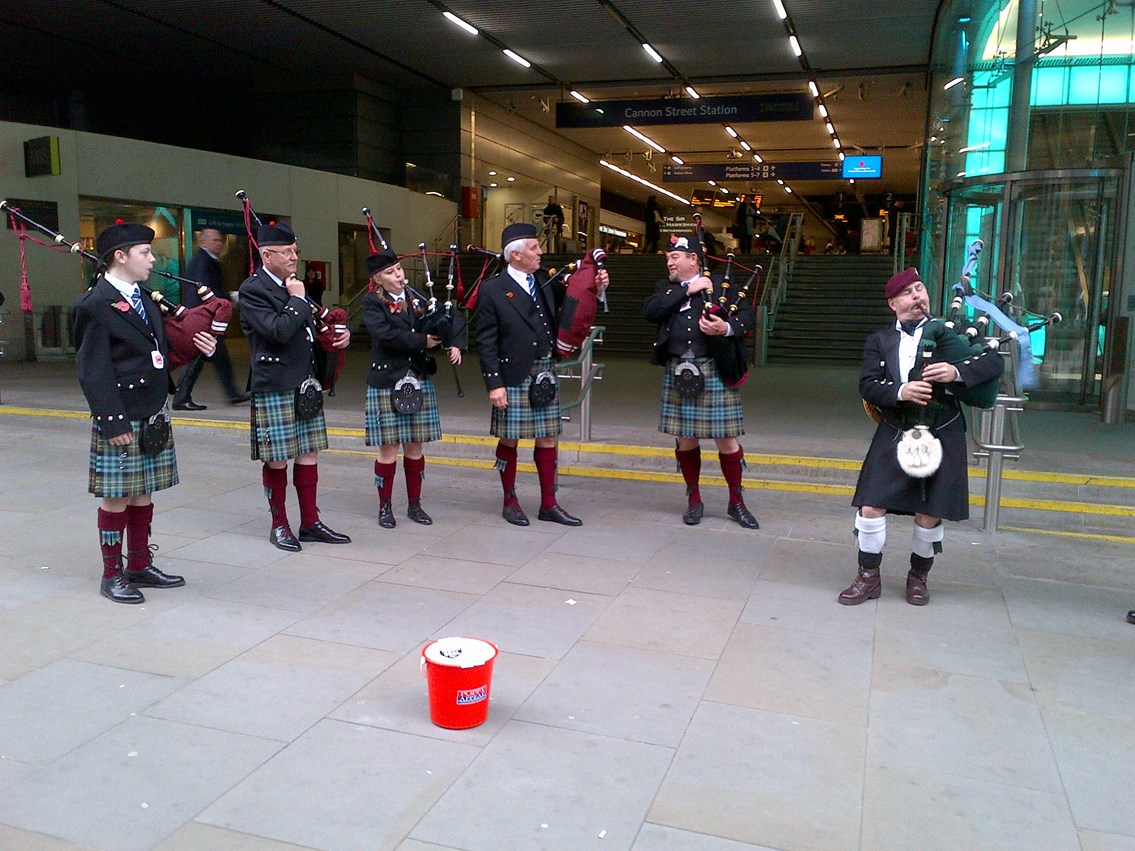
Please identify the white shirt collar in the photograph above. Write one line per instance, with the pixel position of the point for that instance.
(518, 276)
(125, 287)
(273, 277)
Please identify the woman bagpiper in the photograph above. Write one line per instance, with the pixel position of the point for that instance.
(121, 363)
(401, 402)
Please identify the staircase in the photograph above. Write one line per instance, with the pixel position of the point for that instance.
(832, 304)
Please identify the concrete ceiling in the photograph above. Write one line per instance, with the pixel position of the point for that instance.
(869, 57)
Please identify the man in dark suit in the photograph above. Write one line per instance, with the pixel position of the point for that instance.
(121, 362)
(884, 487)
(277, 319)
(517, 322)
(691, 342)
(205, 268)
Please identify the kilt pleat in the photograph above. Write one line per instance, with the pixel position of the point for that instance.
(120, 471)
(715, 412)
(384, 425)
(520, 420)
(277, 433)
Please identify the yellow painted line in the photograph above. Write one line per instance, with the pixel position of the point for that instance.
(1086, 536)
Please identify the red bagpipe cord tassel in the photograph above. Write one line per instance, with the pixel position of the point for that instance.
(25, 287)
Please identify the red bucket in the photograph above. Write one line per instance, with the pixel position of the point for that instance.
(459, 672)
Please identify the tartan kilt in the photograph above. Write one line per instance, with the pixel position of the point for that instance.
(520, 420)
(119, 471)
(715, 412)
(385, 425)
(277, 434)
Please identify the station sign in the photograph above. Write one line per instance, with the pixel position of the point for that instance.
(738, 109)
(703, 172)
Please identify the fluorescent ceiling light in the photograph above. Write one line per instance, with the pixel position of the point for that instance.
(652, 53)
(780, 11)
(835, 142)
(972, 147)
(954, 82)
(757, 158)
(517, 58)
(647, 183)
(713, 183)
(823, 111)
(781, 182)
(492, 174)
(841, 156)
(692, 92)
(745, 145)
(646, 139)
(469, 28)
(788, 189)
(730, 131)
(813, 88)
(677, 160)
(512, 180)
(831, 129)
(578, 96)
(794, 43)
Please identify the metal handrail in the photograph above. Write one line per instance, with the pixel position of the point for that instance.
(589, 373)
(773, 295)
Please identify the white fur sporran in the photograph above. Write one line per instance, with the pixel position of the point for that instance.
(919, 452)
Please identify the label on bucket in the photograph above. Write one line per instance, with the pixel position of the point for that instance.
(472, 695)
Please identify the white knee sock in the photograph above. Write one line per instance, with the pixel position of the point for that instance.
(872, 532)
(927, 542)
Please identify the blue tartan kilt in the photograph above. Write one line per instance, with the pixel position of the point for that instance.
(715, 412)
(119, 471)
(385, 425)
(520, 420)
(277, 433)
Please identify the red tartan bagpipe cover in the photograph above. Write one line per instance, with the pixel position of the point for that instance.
(181, 323)
(581, 303)
(329, 360)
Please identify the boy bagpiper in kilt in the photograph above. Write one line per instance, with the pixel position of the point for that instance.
(517, 322)
(393, 316)
(121, 364)
(276, 317)
(713, 411)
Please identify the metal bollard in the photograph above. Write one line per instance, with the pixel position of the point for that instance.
(996, 451)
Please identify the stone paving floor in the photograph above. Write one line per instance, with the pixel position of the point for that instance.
(659, 687)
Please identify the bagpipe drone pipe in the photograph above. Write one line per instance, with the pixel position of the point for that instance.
(728, 352)
(181, 323)
(328, 360)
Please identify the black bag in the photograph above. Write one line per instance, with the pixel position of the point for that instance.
(730, 358)
(155, 434)
(542, 390)
(309, 399)
(688, 379)
(407, 395)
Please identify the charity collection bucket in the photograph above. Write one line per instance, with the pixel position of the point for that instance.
(459, 674)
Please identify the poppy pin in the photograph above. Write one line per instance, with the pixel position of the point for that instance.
(123, 306)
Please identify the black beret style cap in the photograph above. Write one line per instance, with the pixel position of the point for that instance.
(277, 234)
(383, 260)
(121, 235)
(685, 242)
(519, 230)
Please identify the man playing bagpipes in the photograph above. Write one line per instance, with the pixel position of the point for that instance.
(699, 344)
(517, 321)
(121, 363)
(205, 268)
(401, 403)
(913, 409)
(287, 402)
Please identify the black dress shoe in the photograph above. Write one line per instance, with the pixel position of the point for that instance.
(239, 398)
(742, 515)
(418, 514)
(318, 532)
(386, 516)
(693, 514)
(514, 515)
(1131, 616)
(555, 514)
(116, 588)
(189, 405)
(151, 577)
(282, 538)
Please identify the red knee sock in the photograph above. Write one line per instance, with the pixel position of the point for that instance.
(138, 518)
(689, 462)
(111, 527)
(506, 463)
(306, 477)
(276, 489)
(545, 458)
(731, 469)
(384, 481)
(415, 470)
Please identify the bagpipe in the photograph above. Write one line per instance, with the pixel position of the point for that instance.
(327, 360)
(181, 323)
(444, 320)
(581, 300)
(728, 352)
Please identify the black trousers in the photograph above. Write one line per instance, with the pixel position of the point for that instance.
(193, 369)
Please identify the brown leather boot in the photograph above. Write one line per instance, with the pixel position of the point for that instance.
(868, 584)
(916, 593)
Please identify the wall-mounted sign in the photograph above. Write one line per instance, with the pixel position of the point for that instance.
(702, 172)
(738, 109)
(863, 167)
(41, 156)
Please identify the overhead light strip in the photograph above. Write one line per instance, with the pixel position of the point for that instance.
(644, 182)
(469, 28)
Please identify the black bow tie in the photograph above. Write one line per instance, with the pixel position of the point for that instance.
(909, 327)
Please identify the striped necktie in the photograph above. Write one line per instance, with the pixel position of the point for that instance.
(136, 300)
(531, 279)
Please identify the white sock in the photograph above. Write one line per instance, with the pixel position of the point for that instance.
(923, 541)
(872, 532)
